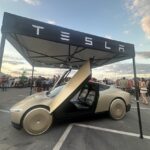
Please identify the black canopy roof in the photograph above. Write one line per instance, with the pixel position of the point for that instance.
(46, 45)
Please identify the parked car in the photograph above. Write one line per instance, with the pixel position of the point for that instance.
(78, 97)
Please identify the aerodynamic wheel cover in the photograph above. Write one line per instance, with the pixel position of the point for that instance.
(37, 121)
(117, 109)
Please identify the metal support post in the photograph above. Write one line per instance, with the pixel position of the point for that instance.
(2, 45)
(137, 99)
(31, 86)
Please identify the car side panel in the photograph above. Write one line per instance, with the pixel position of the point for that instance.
(107, 96)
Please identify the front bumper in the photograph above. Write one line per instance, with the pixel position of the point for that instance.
(17, 126)
(128, 107)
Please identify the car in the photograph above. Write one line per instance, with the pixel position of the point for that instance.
(78, 97)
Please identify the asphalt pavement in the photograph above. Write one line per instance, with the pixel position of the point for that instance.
(98, 133)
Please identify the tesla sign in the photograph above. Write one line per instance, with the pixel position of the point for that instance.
(65, 36)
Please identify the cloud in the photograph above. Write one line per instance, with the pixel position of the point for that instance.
(26, 69)
(32, 2)
(145, 23)
(145, 54)
(108, 36)
(126, 68)
(13, 62)
(141, 44)
(9, 57)
(141, 9)
(126, 32)
(143, 68)
(51, 22)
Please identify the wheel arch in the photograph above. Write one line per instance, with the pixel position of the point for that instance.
(33, 107)
(118, 98)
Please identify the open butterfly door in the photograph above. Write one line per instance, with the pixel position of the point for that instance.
(72, 87)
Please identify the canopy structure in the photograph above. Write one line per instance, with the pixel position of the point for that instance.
(46, 45)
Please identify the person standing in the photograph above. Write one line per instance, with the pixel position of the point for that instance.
(123, 84)
(54, 80)
(143, 91)
(148, 87)
(4, 83)
(39, 84)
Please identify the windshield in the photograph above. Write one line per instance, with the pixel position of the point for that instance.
(54, 92)
(61, 79)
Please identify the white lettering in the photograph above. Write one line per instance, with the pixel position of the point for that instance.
(88, 41)
(37, 29)
(65, 36)
(106, 46)
(121, 48)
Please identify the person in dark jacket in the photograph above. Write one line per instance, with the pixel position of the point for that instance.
(39, 84)
(4, 83)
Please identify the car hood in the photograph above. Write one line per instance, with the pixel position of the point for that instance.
(33, 100)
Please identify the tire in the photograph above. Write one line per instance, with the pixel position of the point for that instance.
(37, 121)
(117, 109)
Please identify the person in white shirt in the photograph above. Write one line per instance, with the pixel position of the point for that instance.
(143, 91)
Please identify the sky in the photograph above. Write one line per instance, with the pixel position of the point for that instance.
(123, 20)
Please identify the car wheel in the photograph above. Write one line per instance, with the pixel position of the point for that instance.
(117, 109)
(37, 121)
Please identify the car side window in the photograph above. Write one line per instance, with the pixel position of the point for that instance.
(103, 87)
(90, 98)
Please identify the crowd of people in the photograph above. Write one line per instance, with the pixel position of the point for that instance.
(143, 87)
(7, 81)
(38, 83)
(41, 84)
(44, 84)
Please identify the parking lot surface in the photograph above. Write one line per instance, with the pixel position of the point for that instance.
(96, 133)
